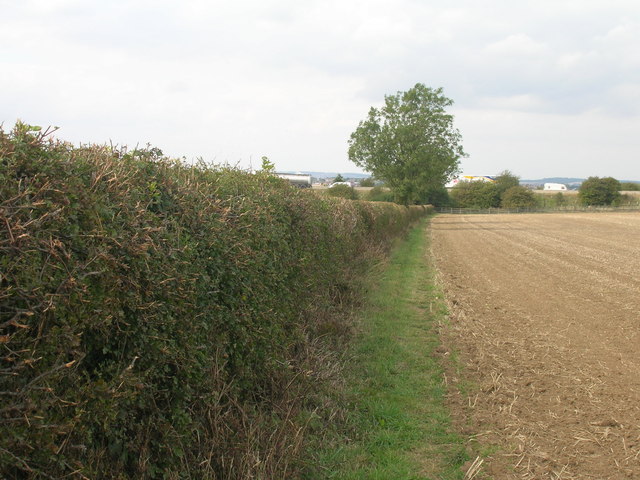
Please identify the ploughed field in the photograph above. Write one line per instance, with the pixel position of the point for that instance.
(545, 319)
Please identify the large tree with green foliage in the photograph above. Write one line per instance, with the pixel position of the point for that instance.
(410, 143)
(599, 191)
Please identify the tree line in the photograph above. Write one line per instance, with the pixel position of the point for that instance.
(507, 192)
(411, 144)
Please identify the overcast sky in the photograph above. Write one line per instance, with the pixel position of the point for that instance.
(544, 88)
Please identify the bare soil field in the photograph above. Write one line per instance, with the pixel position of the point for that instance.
(545, 323)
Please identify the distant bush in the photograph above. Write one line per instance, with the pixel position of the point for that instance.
(629, 186)
(342, 191)
(437, 196)
(599, 191)
(379, 194)
(367, 182)
(518, 197)
(475, 195)
(626, 200)
(559, 199)
(163, 320)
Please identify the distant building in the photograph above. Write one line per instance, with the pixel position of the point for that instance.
(555, 187)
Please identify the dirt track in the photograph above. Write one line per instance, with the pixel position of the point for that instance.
(545, 316)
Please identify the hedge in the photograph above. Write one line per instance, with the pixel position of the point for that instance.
(157, 318)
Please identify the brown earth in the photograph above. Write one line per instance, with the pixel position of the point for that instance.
(546, 325)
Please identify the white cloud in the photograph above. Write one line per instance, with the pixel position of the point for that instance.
(237, 80)
(516, 45)
(535, 145)
(526, 102)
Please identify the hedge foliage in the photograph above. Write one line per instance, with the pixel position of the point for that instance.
(156, 318)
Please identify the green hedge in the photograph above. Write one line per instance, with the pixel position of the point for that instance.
(157, 318)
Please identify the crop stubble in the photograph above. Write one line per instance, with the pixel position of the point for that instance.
(544, 316)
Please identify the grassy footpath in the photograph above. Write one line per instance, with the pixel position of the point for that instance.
(398, 423)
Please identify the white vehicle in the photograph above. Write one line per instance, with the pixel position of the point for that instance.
(340, 183)
(555, 187)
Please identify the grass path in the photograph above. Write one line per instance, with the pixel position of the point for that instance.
(399, 425)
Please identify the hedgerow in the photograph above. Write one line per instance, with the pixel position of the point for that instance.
(160, 319)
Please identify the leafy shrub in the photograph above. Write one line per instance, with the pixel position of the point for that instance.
(518, 197)
(159, 320)
(343, 191)
(475, 195)
(599, 191)
(436, 196)
(505, 181)
(379, 194)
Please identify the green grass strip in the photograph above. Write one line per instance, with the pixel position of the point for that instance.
(399, 424)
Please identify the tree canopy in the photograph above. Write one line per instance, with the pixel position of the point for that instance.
(410, 143)
(505, 181)
(599, 191)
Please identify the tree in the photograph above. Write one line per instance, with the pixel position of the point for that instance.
(599, 191)
(518, 197)
(505, 181)
(339, 178)
(410, 143)
(476, 194)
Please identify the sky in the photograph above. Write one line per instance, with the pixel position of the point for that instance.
(542, 89)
